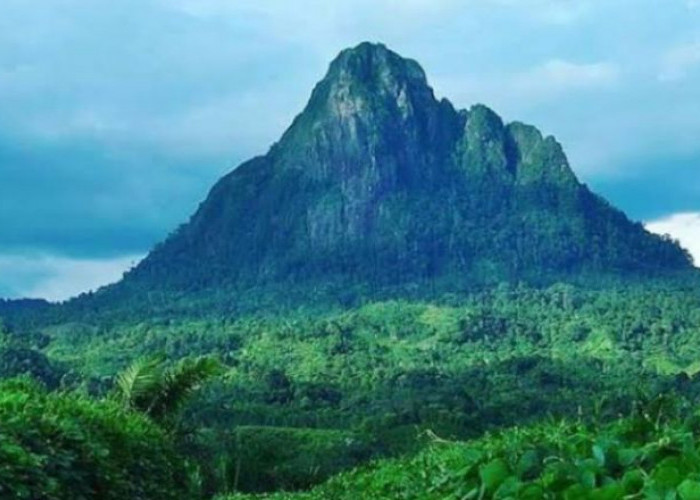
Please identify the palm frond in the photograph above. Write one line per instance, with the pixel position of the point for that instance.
(148, 387)
(139, 381)
(179, 382)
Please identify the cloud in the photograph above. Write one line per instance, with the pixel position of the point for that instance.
(679, 61)
(557, 12)
(558, 75)
(550, 82)
(59, 278)
(650, 188)
(684, 227)
(547, 11)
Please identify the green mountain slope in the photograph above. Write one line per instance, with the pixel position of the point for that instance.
(378, 184)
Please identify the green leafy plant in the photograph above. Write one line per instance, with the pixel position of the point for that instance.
(160, 392)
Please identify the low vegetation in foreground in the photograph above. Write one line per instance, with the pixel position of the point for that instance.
(652, 454)
(67, 446)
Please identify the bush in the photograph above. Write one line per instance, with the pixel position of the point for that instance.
(16, 360)
(57, 446)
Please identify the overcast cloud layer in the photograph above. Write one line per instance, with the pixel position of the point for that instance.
(117, 117)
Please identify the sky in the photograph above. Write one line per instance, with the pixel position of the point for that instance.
(117, 117)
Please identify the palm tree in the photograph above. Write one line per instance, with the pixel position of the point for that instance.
(159, 392)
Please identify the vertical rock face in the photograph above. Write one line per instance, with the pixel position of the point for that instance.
(483, 146)
(373, 110)
(378, 182)
(371, 130)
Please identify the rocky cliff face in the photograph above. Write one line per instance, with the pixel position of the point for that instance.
(378, 182)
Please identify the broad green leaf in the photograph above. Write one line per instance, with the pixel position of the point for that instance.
(493, 474)
(531, 492)
(666, 477)
(633, 481)
(576, 492)
(689, 490)
(599, 455)
(608, 492)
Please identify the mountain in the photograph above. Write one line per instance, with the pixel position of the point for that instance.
(379, 184)
(382, 197)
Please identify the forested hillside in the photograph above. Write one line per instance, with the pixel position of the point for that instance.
(379, 188)
(305, 395)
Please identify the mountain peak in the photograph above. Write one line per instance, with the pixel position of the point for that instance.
(370, 78)
(375, 64)
(372, 109)
(378, 184)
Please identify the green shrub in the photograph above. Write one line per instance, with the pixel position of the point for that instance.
(57, 446)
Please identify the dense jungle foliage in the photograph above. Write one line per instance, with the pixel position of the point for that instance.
(303, 395)
(654, 453)
(67, 446)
